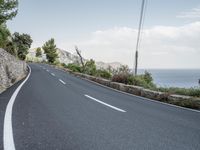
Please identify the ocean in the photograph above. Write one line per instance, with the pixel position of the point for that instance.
(185, 78)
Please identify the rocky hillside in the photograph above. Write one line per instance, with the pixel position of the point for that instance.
(104, 65)
(67, 57)
(11, 70)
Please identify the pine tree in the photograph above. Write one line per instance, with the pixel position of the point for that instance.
(8, 10)
(50, 50)
(38, 52)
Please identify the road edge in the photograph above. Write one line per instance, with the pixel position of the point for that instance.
(8, 139)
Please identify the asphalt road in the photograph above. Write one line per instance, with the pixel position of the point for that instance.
(57, 111)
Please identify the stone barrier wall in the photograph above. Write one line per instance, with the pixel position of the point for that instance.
(11, 70)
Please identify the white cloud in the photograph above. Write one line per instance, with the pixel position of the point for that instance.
(161, 46)
(194, 13)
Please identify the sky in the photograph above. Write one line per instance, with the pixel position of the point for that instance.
(106, 30)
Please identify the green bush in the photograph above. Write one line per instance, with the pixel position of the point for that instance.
(147, 77)
(144, 80)
(4, 35)
(64, 65)
(121, 78)
(56, 62)
(182, 91)
(136, 80)
(73, 67)
(103, 74)
(90, 67)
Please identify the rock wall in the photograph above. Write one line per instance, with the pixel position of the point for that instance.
(11, 70)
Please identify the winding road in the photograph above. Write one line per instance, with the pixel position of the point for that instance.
(54, 110)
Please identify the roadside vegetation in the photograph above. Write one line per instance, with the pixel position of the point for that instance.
(50, 50)
(123, 75)
(89, 68)
(38, 52)
(195, 92)
(16, 44)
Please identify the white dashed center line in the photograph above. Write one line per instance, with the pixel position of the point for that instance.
(52, 74)
(62, 81)
(113, 107)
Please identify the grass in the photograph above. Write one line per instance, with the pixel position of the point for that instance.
(195, 92)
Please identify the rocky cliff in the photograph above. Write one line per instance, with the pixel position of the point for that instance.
(66, 57)
(11, 70)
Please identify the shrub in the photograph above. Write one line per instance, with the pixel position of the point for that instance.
(90, 67)
(123, 69)
(140, 80)
(103, 74)
(147, 77)
(136, 80)
(73, 67)
(64, 65)
(145, 80)
(11, 48)
(4, 35)
(121, 78)
(182, 91)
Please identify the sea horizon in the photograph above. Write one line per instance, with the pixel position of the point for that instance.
(183, 78)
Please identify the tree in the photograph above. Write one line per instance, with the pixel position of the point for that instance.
(38, 52)
(4, 35)
(6, 40)
(90, 67)
(148, 77)
(23, 43)
(80, 56)
(50, 50)
(8, 10)
(124, 69)
(11, 48)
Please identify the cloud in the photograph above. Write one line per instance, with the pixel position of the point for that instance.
(192, 14)
(161, 46)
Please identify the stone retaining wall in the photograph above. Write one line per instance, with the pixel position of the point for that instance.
(11, 70)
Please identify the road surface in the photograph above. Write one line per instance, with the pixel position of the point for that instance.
(57, 111)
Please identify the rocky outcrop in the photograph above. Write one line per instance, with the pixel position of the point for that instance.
(103, 65)
(67, 57)
(11, 70)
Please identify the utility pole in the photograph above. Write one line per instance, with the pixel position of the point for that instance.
(138, 37)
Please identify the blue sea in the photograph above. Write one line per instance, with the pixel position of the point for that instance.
(175, 77)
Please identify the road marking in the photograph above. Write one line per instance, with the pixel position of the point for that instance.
(52, 74)
(113, 107)
(62, 81)
(8, 139)
(47, 70)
